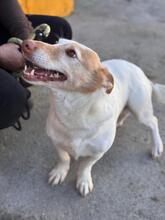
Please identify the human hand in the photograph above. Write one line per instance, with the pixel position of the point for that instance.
(10, 57)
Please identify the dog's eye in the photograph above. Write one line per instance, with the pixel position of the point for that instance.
(71, 53)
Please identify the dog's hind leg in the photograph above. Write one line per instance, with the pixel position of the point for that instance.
(123, 116)
(142, 107)
(58, 174)
(152, 122)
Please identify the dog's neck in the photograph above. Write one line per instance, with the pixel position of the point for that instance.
(77, 109)
(73, 101)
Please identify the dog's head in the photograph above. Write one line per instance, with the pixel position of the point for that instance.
(67, 65)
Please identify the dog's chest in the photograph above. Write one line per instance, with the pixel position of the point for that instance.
(72, 127)
(70, 140)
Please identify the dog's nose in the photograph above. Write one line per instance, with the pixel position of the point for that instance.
(28, 46)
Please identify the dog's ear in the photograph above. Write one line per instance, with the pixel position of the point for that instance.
(107, 79)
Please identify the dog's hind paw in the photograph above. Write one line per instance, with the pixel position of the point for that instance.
(84, 185)
(58, 174)
(157, 151)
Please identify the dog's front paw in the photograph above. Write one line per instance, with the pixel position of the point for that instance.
(84, 184)
(58, 174)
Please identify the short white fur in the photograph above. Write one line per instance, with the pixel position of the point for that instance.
(84, 125)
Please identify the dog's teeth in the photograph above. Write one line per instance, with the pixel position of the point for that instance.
(25, 68)
(32, 72)
(57, 74)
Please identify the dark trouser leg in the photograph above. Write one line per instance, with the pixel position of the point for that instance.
(13, 99)
(4, 36)
(59, 26)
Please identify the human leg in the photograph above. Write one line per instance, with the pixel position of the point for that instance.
(13, 99)
(59, 27)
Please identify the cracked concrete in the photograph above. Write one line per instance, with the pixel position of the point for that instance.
(129, 185)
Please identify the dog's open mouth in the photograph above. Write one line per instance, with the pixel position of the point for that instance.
(33, 72)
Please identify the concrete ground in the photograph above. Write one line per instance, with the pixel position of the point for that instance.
(129, 185)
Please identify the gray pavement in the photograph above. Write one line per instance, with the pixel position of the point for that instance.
(129, 185)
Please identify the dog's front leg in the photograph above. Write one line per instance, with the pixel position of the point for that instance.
(58, 174)
(84, 178)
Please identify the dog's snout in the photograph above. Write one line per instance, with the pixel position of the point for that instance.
(28, 46)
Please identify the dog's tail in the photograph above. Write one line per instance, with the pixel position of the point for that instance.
(159, 92)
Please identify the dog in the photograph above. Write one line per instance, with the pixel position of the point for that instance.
(89, 99)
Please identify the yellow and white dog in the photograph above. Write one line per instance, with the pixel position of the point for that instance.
(88, 100)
